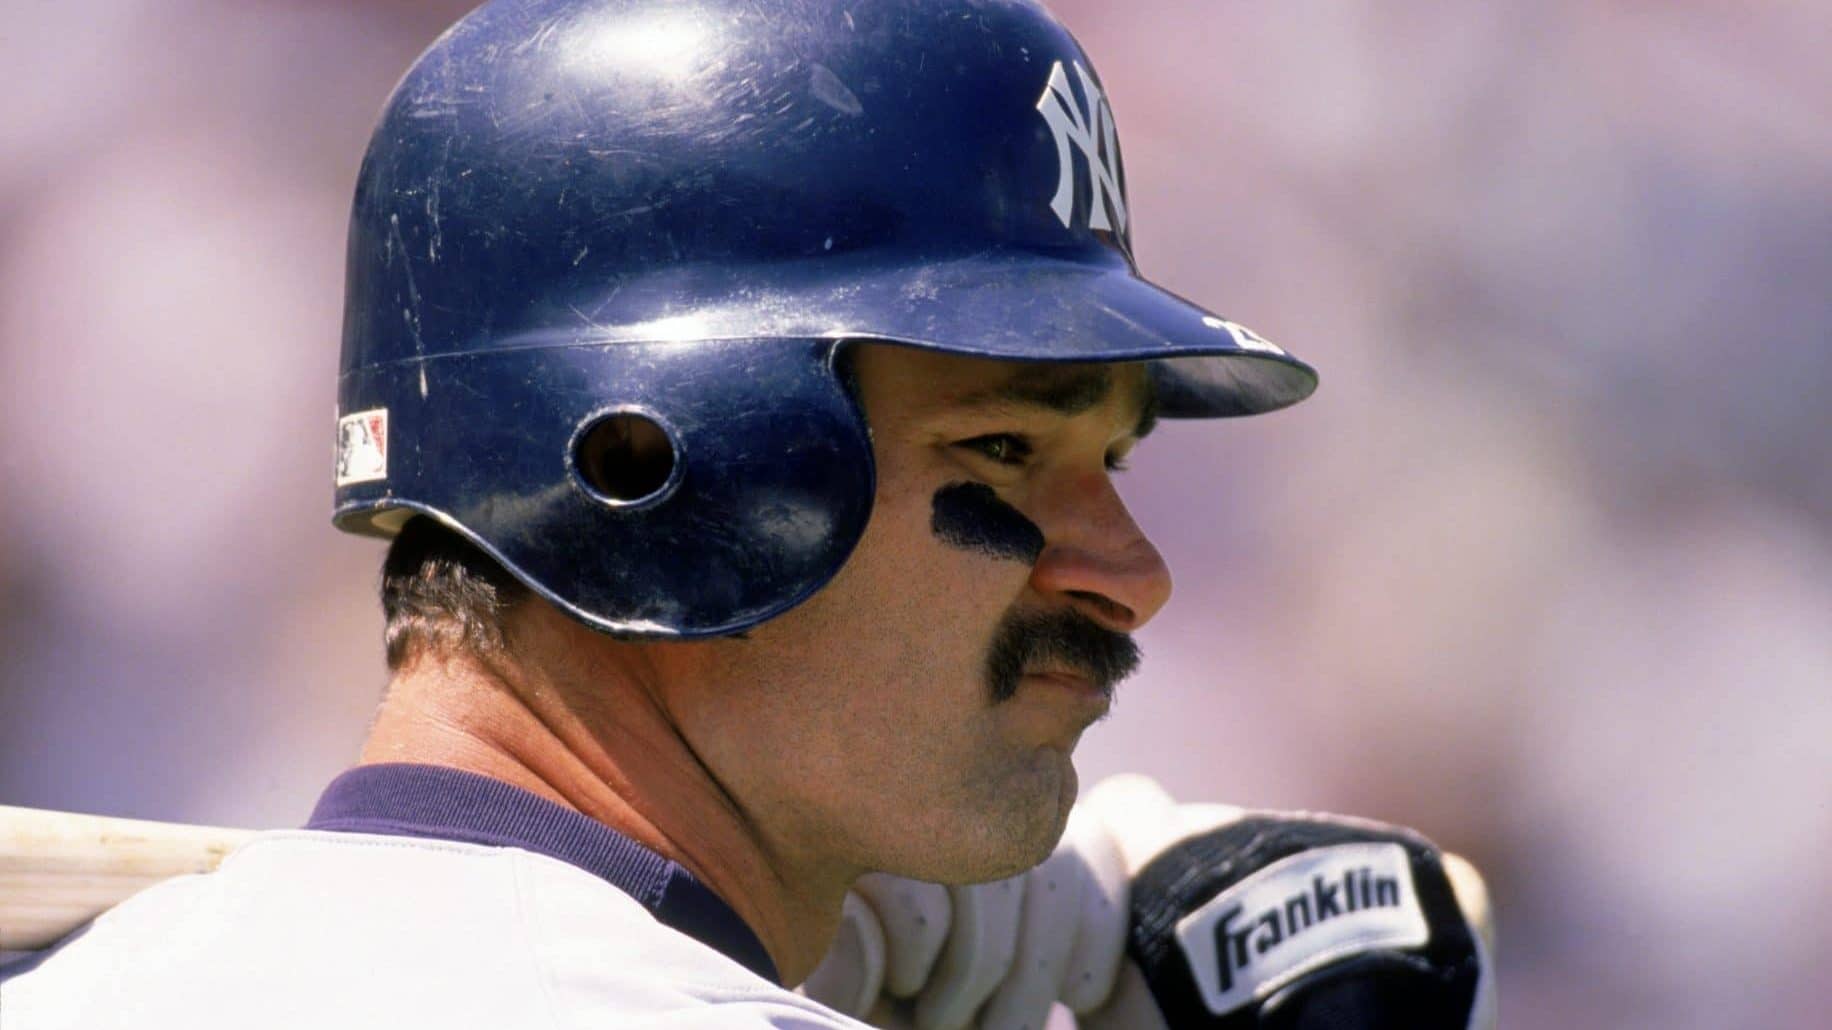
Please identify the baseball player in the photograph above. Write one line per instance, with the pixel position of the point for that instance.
(741, 383)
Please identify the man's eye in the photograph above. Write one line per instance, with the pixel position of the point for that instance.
(1004, 448)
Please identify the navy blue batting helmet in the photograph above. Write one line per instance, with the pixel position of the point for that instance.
(584, 221)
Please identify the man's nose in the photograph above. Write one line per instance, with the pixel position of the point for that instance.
(1098, 558)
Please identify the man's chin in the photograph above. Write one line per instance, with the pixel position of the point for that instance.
(1035, 833)
(1006, 838)
(1067, 790)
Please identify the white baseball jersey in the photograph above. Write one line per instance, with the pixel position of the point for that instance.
(418, 897)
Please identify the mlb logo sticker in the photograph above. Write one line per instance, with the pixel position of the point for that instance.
(362, 447)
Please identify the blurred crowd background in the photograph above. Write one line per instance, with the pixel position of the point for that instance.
(1544, 569)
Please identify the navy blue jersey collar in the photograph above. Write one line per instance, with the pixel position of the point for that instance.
(449, 804)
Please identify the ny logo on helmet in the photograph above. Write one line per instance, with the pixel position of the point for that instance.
(1093, 132)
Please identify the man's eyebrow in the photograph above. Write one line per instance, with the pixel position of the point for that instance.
(1064, 390)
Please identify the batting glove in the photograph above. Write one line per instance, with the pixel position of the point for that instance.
(1156, 915)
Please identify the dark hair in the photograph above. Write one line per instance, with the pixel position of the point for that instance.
(440, 591)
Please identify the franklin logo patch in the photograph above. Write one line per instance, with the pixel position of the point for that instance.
(1299, 914)
(1092, 132)
(362, 447)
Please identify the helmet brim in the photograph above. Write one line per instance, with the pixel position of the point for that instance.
(1029, 308)
(1005, 304)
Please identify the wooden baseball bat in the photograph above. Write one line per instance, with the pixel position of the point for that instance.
(58, 870)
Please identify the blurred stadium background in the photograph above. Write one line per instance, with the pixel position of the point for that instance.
(1545, 568)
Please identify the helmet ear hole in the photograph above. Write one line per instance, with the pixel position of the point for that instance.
(626, 458)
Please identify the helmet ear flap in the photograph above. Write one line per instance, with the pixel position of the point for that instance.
(652, 490)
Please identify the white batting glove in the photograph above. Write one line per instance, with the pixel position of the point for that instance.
(997, 955)
(993, 955)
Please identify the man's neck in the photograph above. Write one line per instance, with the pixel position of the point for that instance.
(607, 748)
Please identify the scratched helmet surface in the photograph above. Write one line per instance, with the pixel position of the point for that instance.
(679, 212)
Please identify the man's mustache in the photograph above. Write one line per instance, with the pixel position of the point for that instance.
(1065, 640)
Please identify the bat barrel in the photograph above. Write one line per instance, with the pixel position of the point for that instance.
(58, 870)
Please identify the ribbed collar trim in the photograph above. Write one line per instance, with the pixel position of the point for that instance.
(429, 801)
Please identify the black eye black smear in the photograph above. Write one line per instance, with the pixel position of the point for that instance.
(1027, 642)
(970, 516)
